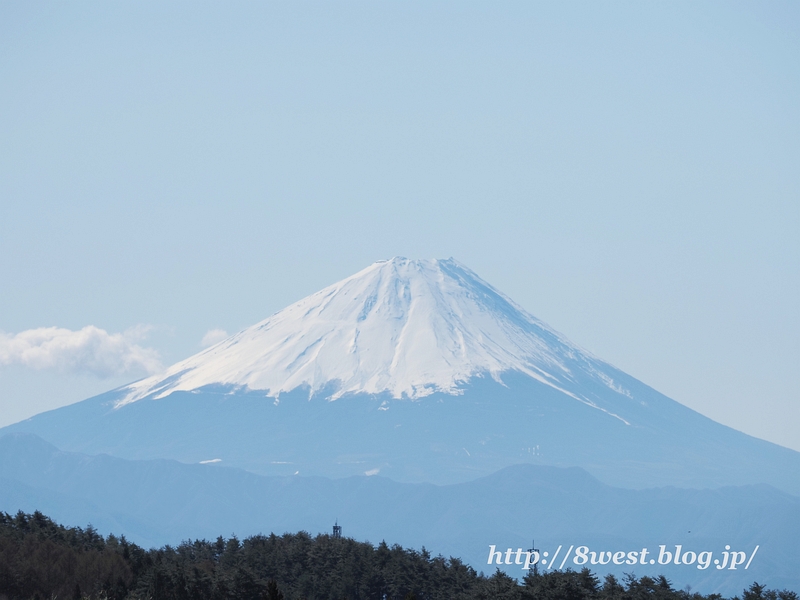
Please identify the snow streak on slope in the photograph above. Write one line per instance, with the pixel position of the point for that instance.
(403, 327)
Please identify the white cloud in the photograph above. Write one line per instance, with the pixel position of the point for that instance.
(88, 350)
(213, 336)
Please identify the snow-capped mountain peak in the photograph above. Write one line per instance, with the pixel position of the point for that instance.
(403, 327)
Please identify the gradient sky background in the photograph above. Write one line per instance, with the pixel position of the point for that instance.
(629, 172)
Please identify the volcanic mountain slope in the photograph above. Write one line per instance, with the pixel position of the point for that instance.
(420, 371)
(402, 328)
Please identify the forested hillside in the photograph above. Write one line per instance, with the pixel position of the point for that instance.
(43, 560)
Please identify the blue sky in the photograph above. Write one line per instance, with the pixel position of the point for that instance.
(626, 171)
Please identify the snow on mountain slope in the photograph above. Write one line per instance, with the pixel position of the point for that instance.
(435, 376)
(408, 328)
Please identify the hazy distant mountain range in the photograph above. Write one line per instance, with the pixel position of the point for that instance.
(157, 502)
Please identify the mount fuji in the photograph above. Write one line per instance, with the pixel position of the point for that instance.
(422, 372)
(403, 328)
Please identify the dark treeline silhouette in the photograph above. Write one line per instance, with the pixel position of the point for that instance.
(40, 559)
